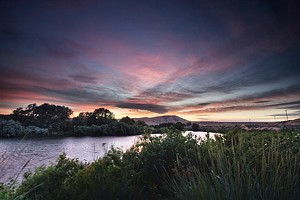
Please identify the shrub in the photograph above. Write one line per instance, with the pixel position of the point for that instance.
(243, 165)
(239, 165)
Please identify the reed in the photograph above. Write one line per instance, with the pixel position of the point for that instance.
(239, 165)
(251, 167)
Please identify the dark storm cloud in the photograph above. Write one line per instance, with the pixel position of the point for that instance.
(149, 107)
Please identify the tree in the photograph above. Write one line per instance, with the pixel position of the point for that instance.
(25, 116)
(81, 119)
(141, 123)
(43, 115)
(179, 126)
(195, 127)
(100, 116)
(127, 120)
(48, 114)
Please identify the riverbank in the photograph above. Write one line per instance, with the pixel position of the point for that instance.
(14, 129)
(37, 151)
(238, 165)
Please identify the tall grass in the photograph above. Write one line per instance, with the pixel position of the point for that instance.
(240, 165)
(243, 167)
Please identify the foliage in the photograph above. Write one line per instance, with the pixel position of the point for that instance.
(238, 165)
(52, 120)
(50, 183)
(70, 179)
(42, 116)
(195, 127)
(178, 126)
(99, 117)
(243, 165)
(13, 128)
(141, 123)
(149, 159)
(112, 129)
(6, 193)
(127, 120)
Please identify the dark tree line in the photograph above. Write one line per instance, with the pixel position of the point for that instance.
(53, 120)
(43, 116)
(98, 117)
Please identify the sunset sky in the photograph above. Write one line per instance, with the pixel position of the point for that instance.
(201, 60)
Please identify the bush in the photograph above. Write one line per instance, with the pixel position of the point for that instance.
(240, 165)
(244, 165)
(13, 128)
(112, 129)
(50, 183)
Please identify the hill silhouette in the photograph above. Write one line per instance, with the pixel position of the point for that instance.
(162, 119)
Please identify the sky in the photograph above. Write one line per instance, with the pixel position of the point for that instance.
(201, 60)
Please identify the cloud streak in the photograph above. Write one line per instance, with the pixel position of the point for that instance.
(150, 107)
(174, 57)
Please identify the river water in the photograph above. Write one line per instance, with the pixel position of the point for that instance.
(16, 152)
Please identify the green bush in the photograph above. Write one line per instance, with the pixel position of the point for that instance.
(50, 182)
(240, 165)
(150, 159)
(244, 165)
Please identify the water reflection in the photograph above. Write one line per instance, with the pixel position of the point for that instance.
(15, 153)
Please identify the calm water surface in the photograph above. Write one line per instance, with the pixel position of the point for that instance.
(15, 153)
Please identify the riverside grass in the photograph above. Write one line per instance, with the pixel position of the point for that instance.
(259, 166)
(239, 165)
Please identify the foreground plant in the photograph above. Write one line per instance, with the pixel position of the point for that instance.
(243, 166)
(239, 165)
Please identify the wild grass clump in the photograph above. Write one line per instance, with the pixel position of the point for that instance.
(243, 165)
(240, 165)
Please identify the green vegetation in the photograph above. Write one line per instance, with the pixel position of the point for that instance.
(240, 165)
(53, 120)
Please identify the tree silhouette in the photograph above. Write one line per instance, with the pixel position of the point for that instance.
(127, 120)
(43, 115)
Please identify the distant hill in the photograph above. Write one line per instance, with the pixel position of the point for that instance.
(162, 119)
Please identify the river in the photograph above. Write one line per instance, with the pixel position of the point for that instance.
(16, 152)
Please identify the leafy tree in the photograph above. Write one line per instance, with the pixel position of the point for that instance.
(47, 114)
(127, 120)
(179, 126)
(141, 123)
(100, 116)
(43, 115)
(81, 119)
(25, 116)
(195, 127)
